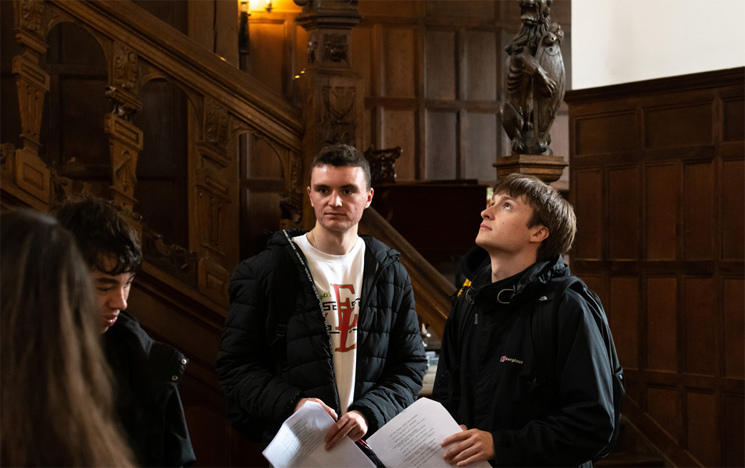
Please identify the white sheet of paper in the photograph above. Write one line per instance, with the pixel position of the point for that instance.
(412, 439)
(300, 443)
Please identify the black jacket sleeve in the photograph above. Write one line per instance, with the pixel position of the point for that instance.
(244, 369)
(580, 419)
(177, 449)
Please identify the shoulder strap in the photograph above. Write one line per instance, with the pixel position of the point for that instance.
(543, 327)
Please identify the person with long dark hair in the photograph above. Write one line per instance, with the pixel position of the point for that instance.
(56, 400)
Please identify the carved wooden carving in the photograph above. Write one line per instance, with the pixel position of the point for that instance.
(383, 164)
(173, 259)
(335, 48)
(125, 143)
(126, 67)
(535, 79)
(338, 114)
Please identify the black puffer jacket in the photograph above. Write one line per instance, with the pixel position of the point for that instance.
(147, 400)
(261, 388)
(488, 372)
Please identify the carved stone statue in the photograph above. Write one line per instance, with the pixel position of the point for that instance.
(535, 79)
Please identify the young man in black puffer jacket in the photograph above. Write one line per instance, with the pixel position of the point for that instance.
(325, 316)
(489, 374)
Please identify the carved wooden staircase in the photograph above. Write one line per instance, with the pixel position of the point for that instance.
(180, 295)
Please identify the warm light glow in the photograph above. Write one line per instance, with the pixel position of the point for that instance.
(268, 5)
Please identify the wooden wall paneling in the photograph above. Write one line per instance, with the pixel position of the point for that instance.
(733, 119)
(482, 9)
(481, 144)
(662, 324)
(733, 448)
(268, 52)
(441, 64)
(624, 201)
(733, 306)
(664, 405)
(442, 144)
(699, 321)
(605, 134)
(702, 439)
(662, 193)
(699, 210)
(482, 58)
(390, 8)
(732, 221)
(682, 138)
(399, 46)
(678, 126)
(399, 129)
(624, 319)
(588, 205)
(361, 52)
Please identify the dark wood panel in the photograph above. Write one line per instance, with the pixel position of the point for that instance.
(399, 58)
(678, 126)
(734, 415)
(601, 134)
(664, 406)
(700, 212)
(481, 146)
(661, 218)
(734, 329)
(733, 210)
(588, 205)
(624, 312)
(662, 324)
(482, 58)
(441, 64)
(733, 120)
(699, 314)
(399, 129)
(624, 201)
(486, 10)
(703, 435)
(442, 153)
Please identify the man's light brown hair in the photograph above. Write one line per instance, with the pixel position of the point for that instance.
(550, 209)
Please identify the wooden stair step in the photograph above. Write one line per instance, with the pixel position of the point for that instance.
(629, 459)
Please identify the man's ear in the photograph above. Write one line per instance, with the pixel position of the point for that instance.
(369, 197)
(311, 198)
(540, 234)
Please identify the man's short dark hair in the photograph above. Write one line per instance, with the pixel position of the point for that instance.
(550, 209)
(102, 233)
(343, 156)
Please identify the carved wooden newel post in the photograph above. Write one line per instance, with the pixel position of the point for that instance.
(125, 139)
(534, 89)
(30, 172)
(333, 95)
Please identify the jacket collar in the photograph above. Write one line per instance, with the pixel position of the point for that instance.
(533, 277)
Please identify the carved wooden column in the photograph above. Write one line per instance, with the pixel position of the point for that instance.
(30, 172)
(333, 95)
(125, 139)
(215, 211)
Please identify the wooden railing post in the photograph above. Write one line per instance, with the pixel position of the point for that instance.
(30, 172)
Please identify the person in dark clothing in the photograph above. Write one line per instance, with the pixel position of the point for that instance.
(351, 340)
(146, 372)
(488, 367)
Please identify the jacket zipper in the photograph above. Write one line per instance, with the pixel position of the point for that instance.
(325, 324)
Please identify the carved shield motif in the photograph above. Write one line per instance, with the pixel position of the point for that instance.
(551, 60)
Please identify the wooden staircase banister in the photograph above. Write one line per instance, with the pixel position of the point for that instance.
(181, 57)
(432, 291)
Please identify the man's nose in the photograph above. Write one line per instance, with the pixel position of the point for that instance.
(335, 199)
(118, 300)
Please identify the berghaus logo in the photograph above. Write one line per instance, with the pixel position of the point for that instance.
(507, 359)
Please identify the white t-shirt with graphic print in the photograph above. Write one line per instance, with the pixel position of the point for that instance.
(338, 280)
